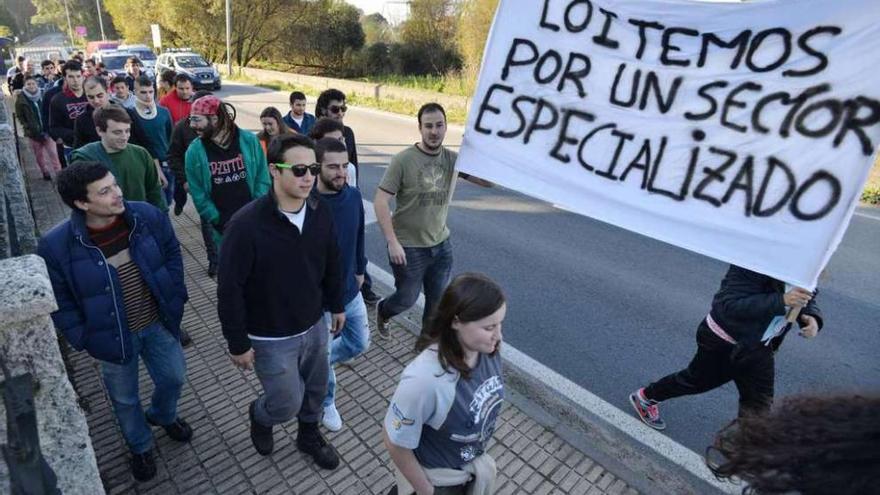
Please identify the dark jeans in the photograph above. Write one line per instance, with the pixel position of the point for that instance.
(168, 191)
(208, 238)
(426, 269)
(717, 362)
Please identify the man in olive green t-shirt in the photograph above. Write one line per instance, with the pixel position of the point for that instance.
(422, 178)
(132, 165)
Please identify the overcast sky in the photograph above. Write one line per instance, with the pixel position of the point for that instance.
(368, 6)
(393, 10)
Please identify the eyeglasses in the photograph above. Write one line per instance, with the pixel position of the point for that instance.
(300, 169)
(337, 108)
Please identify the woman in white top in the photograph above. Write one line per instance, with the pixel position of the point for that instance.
(444, 410)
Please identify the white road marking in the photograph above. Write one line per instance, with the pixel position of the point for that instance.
(868, 215)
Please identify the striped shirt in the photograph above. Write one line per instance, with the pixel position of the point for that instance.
(141, 308)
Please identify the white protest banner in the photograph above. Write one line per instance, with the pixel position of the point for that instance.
(742, 131)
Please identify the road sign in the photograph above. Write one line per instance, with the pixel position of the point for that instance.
(157, 37)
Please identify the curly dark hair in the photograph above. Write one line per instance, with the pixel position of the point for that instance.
(808, 445)
(324, 100)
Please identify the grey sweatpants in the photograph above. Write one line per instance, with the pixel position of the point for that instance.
(293, 373)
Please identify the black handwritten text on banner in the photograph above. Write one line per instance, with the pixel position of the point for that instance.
(742, 131)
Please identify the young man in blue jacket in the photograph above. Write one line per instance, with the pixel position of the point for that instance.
(347, 206)
(117, 275)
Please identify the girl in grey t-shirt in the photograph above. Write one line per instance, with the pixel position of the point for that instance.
(444, 410)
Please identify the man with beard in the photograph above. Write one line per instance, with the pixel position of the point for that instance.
(279, 267)
(121, 94)
(331, 105)
(347, 206)
(422, 178)
(178, 101)
(225, 166)
(181, 137)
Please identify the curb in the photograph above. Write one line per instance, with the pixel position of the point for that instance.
(645, 459)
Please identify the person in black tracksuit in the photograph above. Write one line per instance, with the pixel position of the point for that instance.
(730, 345)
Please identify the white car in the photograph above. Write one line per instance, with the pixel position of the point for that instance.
(143, 53)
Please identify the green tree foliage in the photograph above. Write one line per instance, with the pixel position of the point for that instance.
(133, 23)
(316, 32)
(428, 38)
(82, 13)
(8, 24)
(376, 29)
(326, 37)
(475, 19)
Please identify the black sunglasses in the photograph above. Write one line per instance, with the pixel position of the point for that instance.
(337, 108)
(299, 170)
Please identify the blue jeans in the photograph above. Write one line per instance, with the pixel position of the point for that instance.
(352, 341)
(426, 269)
(293, 373)
(166, 365)
(168, 191)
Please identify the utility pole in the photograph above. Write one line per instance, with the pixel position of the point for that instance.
(69, 26)
(100, 19)
(229, 36)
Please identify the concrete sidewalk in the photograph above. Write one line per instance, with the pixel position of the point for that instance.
(221, 459)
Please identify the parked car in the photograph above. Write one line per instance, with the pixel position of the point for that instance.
(93, 47)
(185, 61)
(36, 54)
(115, 62)
(142, 52)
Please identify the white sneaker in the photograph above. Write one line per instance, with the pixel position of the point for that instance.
(332, 420)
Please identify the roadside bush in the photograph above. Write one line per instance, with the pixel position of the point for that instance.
(871, 195)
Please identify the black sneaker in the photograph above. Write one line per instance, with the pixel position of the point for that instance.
(143, 467)
(261, 436)
(370, 297)
(47, 177)
(647, 410)
(212, 269)
(177, 430)
(310, 441)
(381, 323)
(178, 209)
(185, 339)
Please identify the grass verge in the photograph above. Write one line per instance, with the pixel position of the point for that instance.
(455, 115)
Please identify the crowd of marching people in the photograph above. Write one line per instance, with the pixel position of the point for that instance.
(282, 219)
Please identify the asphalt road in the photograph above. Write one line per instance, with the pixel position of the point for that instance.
(612, 310)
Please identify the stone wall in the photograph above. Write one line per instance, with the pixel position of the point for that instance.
(17, 234)
(28, 344)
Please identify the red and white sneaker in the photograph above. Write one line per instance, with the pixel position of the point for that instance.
(647, 410)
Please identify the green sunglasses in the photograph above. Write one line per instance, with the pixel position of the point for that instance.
(300, 169)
